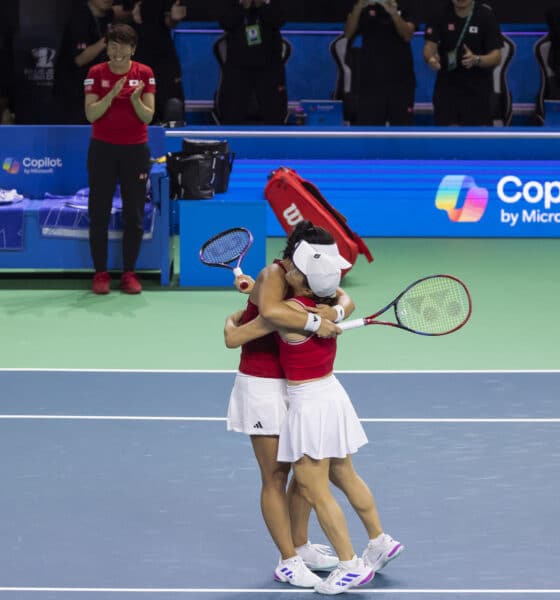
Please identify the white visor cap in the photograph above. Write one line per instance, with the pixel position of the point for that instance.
(322, 267)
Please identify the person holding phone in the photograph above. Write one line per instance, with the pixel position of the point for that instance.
(386, 70)
(462, 46)
(154, 21)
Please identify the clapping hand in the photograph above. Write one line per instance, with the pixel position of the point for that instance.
(137, 92)
(469, 59)
(178, 11)
(117, 88)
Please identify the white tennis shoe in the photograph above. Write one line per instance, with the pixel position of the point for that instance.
(317, 557)
(294, 572)
(344, 578)
(380, 551)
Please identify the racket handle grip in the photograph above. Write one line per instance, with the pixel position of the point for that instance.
(237, 271)
(352, 324)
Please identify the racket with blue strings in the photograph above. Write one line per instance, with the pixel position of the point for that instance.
(228, 249)
(434, 305)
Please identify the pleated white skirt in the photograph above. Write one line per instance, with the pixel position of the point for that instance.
(257, 405)
(321, 422)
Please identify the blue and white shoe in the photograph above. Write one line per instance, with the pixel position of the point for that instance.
(294, 572)
(317, 557)
(344, 578)
(380, 551)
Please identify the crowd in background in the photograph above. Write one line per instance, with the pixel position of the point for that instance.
(462, 45)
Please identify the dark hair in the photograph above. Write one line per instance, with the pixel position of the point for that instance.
(122, 34)
(305, 230)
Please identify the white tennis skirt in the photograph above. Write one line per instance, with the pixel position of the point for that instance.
(321, 422)
(257, 405)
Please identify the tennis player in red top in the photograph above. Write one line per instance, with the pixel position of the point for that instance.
(321, 429)
(119, 102)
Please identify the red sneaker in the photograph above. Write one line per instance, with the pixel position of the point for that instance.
(130, 283)
(101, 283)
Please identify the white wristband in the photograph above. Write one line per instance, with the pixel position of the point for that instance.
(313, 322)
(340, 314)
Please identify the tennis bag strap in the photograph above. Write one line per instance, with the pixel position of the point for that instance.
(293, 199)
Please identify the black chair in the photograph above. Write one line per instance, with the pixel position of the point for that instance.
(346, 57)
(549, 87)
(220, 53)
(502, 101)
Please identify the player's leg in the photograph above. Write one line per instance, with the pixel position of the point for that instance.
(382, 548)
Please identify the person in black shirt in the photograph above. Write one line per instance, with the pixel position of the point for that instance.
(83, 45)
(153, 20)
(463, 47)
(386, 71)
(254, 64)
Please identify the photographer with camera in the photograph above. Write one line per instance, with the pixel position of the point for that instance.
(386, 80)
(463, 47)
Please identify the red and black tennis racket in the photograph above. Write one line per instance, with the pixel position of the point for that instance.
(228, 249)
(434, 305)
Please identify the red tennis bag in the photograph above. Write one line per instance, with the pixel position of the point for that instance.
(294, 199)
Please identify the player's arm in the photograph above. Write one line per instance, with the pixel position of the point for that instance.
(344, 308)
(270, 295)
(236, 335)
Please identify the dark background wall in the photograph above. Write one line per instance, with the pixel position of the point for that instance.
(508, 11)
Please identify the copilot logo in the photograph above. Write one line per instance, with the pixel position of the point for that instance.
(11, 166)
(448, 198)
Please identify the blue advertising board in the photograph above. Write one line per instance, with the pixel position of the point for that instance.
(446, 198)
(50, 158)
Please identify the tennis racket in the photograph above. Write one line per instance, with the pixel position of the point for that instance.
(228, 247)
(434, 305)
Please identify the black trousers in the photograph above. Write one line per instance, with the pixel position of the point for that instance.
(240, 87)
(109, 164)
(462, 106)
(389, 103)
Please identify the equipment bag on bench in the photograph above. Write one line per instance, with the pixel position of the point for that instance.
(219, 151)
(293, 199)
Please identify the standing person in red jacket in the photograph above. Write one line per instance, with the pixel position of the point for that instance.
(119, 102)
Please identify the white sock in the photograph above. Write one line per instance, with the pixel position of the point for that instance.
(348, 564)
(303, 545)
(377, 539)
(288, 559)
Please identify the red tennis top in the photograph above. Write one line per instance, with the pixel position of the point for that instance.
(259, 358)
(311, 358)
(120, 124)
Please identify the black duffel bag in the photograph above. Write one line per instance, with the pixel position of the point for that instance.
(191, 177)
(220, 152)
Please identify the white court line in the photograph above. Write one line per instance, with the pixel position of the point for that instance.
(223, 419)
(273, 591)
(344, 372)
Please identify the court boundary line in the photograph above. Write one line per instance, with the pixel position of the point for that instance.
(442, 591)
(491, 420)
(341, 372)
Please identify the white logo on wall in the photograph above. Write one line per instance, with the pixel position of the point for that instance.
(43, 71)
(45, 165)
(539, 199)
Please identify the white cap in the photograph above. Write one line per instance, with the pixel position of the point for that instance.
(322, 265)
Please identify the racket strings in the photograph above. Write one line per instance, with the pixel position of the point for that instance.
(225, 248)
(434, 306)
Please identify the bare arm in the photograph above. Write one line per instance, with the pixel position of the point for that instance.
(236, 335)
(404, 28)
(269, 298)
(431, 55)
(353, 19)
(482, 61)
(144, 104)
(90, 53)
(96, 108)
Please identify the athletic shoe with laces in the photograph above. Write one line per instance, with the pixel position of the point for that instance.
(101, 283)
(130, 283)
(294, 572)
(317, 557)
(380, 551)
(344, 578)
